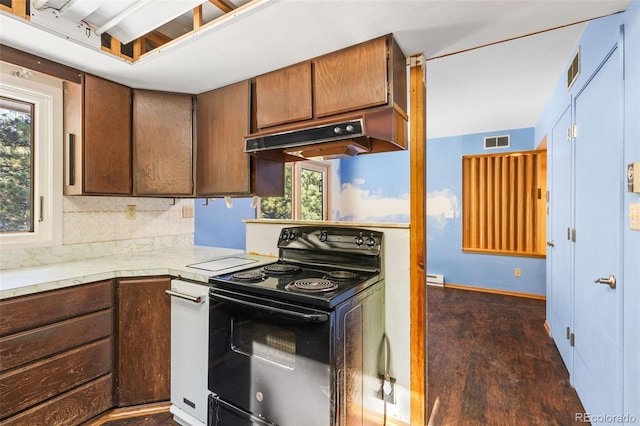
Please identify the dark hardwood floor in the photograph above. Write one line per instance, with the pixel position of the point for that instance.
(491, 362)
(162, 419)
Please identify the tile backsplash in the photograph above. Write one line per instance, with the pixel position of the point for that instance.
(94, 219)
(97, 226)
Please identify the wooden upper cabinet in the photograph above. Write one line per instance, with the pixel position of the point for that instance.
(284, 96)
(223, 117)
(162, 143)
(97, 129)
(351, 79)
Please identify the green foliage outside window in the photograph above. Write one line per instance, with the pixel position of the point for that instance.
(311, 195)
(279, 207)
(310, 199)
(15, 171)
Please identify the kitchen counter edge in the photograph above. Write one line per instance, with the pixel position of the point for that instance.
(165, 262)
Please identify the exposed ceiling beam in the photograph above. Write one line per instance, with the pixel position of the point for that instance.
(222, 5)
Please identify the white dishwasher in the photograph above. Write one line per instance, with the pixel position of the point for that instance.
(189, 351)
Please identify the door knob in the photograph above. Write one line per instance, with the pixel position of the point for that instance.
(551, 243)
(610, 281)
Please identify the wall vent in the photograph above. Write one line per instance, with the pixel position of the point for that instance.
(573, 70)
(435, 279)
(491, 142)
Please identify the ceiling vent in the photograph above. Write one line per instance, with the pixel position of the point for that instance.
(573, 70)
(491, 142)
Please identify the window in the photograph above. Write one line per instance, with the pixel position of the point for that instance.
(305, 197)
(503, 209)
(30, 159)
(16, 166)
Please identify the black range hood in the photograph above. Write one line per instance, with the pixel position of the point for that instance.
(346, 137)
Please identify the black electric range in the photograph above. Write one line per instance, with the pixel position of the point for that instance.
(317, 266)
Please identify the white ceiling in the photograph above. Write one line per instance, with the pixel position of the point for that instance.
(502, 86)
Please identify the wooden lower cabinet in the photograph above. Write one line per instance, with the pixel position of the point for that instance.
(56, 356)
(144, 341)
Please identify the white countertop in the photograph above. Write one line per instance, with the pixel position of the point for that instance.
(205, 261)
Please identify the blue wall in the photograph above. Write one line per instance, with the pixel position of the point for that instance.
(218, 226)
(374, 188)
(596, 41)
(444, 220)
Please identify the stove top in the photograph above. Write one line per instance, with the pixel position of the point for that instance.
(318, 266)
(320, 286)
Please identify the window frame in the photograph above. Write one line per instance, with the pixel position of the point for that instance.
(45, 93)
(296, 190)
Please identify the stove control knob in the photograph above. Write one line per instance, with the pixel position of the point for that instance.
(371, 241)
(323, 236)
(359, 240)
(292, 235)
(285, 235)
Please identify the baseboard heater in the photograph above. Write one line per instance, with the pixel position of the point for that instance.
(435, 279)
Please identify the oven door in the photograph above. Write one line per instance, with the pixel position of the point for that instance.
(271, 359)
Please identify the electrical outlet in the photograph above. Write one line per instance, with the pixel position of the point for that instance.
(387, 391)
(130, 212)
(517, 272)
(187, 211)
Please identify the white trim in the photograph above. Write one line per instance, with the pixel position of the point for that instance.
(45, 93)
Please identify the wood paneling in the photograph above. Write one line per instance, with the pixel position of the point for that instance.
(70, 408)
(503, 207)
(107, 137)
(31, 345)
(24, 387)
(144, 341)
(45, 308)
(284, 96)
(351, 79)
(162, 143)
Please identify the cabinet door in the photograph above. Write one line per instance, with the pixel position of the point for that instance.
(107, 137)
(284, 96)
(162, 143)
(144, 341)
(351, 79)
(222, 166)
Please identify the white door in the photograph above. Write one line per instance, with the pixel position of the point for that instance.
(558, 245)
(599, 186)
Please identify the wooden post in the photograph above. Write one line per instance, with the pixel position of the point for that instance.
(418, 317)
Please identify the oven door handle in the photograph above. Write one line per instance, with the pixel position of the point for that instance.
(310, 317)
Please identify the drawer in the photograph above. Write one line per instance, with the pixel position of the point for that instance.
(36, 382)
(70, 408)
(23, 313)
(21, 348)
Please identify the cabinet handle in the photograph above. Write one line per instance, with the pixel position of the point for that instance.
(194, 299)
(71, 143)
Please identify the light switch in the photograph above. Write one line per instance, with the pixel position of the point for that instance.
(634, 216)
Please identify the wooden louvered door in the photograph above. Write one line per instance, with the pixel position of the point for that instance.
(503, 204)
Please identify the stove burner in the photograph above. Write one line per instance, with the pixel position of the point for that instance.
(248, 276)
(342, 275)
(280, 268)
(312, 285)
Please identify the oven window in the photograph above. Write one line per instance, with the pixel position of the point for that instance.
(264, 341)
